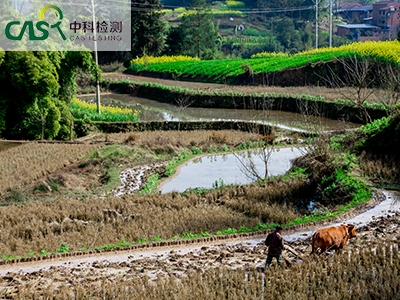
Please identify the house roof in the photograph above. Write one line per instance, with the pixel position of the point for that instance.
(394, 4)
(354, 7)
(357, 26)
(385, 5)
(349, 5)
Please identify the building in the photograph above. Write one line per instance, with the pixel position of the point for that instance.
(377, 22)
(386, 15)
(354, 12)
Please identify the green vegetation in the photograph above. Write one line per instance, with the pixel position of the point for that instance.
(386, 52)
(88, 112)
(40, 86)
(64, 248)
(151, 185)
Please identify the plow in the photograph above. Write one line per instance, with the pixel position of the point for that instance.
(296, 254)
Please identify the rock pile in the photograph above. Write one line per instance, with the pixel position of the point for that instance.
(132, 180)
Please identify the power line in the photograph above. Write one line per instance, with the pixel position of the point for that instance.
(156, 7)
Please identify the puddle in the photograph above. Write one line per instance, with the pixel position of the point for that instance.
(214, 170)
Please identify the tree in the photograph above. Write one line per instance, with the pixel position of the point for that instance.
(42, 119)
(174, 41)
(262, 153)
(201, 36)
(358, 73)
(388, 76)
(148, 28)
(67, 68)
(39, 87)
(288, 36)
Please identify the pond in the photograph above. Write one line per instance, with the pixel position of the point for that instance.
(152, 110)
(211, 171)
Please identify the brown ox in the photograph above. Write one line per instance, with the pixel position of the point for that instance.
(332, 238)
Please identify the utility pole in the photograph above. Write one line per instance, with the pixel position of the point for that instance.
(390, 15)
(316, 24)
(97, 60)
(330, 23)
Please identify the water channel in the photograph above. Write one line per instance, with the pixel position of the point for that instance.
(152, 110)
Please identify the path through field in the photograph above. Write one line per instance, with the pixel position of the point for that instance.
(374, 226)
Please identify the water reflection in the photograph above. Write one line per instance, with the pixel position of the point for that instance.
(152, 110)
(212, 170)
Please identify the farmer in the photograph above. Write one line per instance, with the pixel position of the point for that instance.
(276, 245)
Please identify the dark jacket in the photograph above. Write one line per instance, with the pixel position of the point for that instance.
(275, 243)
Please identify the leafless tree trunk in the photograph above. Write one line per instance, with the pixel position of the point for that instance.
(355, 72)
(183, 102)
(264, 149)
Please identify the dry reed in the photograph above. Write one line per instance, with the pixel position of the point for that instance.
(380, 166)
(151, 139)
(46, 225)
(23, 164)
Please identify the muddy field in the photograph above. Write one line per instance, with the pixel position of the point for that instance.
(92, 271)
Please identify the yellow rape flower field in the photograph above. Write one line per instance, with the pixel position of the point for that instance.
(161, 59)
(84, 110)
(385, 50)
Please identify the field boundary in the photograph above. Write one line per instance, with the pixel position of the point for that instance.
(233, 100)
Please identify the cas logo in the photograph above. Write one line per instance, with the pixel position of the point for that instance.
(41, 26)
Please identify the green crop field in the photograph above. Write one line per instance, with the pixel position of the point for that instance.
(387, 52)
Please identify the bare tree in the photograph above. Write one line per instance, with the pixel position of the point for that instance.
(183, 102)
(248, 159)
(355, 72)
(265, 147)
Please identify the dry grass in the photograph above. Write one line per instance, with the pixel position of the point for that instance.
(151, 139)
(23, 164)
(328, 93)
(38, 226)
(77, 218)
(380, 167)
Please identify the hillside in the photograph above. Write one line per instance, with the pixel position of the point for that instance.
(248, 27)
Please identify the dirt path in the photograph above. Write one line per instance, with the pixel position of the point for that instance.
(374, 226)
(328, 93)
